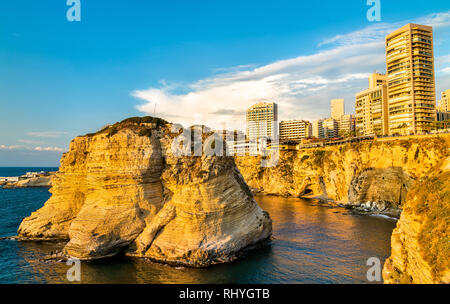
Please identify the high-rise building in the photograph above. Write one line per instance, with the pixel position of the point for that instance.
(337, 108)
(376, 79)
(295, 130)
(372, 108)
(317, 129)
(410, 79)
(346, 125)
(330, 128)
(262, 121)
(444, 102)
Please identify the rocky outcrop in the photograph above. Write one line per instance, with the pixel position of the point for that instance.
(367, 176)
(420, 243)
(210, 208)
(381, 189)
(40, 181)
(383, 177)
(122, 189)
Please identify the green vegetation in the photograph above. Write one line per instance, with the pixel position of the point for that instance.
(145, 132)
(146, 119)
(434, 206)
(304, 157)
(132, 123)
(319, 157)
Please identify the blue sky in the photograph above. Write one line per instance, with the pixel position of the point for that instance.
(199, 61)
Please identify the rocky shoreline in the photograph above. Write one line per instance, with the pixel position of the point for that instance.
(368, 208)
(124, 191)
(34, 182)
(403, 179)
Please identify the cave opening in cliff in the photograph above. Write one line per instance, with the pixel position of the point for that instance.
(308, 191)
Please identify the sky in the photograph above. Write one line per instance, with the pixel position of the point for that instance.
(188, 62)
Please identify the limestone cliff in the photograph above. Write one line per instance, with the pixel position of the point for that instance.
(420, 243)
(371, 175)
(123, 190)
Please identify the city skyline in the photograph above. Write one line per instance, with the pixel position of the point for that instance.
(334, 65)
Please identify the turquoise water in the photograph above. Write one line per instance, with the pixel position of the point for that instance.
(312, 244)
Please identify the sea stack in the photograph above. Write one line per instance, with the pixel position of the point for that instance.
(124, 190)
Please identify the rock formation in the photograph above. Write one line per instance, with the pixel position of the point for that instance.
(369, 176)
(40, 181)
(420, 243)
(386, 177)
(123, 190)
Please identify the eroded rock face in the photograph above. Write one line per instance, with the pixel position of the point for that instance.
(420, 242)
(210, 216)
(371, 176)
(380, 189)
(123, 190)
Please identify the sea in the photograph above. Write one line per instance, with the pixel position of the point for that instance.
(312, 243)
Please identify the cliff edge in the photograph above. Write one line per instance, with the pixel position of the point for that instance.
(370, 176)
(420, 244)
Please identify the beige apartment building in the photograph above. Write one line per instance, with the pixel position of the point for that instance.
(262, 121)
(337, 108)
(330, 128)
(295, 130)
(410, 79)
(317, 129)
(372, 108)
(444, 102)
(346, 125)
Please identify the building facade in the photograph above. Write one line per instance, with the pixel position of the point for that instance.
(410, 79)
(337, 108)
(317, 129)
(444, 102)
(295, 130)
(262, 121)
(330, 128)
(442, 116)
(372, 108)
(346, 125)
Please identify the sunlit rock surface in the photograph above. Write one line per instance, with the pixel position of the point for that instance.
(420, 243)
(123, 190)
(371, 176)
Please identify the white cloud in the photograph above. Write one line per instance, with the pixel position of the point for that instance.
(445, 70)
(301, 86)
(12, 147)
(53, 149)
(27, 148)
(46, 134)
(375, 32)
(436, 20)
(378, 31)
(443, 59)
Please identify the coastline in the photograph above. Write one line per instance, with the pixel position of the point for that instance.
(294, 220)
(363, 209)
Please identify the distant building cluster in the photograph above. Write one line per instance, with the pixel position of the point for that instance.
(28, 175)
(400, 102)
(295, 130)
